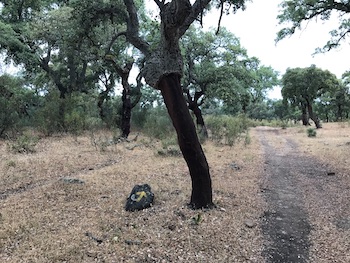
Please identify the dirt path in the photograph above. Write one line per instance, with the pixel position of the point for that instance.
(294, 187)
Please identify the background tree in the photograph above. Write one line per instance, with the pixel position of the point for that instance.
(212, 63)
(16, 103)
(302, 86)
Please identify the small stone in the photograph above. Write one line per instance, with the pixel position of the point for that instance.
(235, 166)
(249, 223)
(72, 181)
(133, 242)
(172, 227)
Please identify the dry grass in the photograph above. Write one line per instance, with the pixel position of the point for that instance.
(44, 219)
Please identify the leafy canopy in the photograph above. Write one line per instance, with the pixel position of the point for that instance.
(304, 85)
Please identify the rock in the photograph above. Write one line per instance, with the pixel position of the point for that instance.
(141, 197)
(133, 242)
(98, 240)
(235, 166)
(249, 223)
(72, 181)
(172, 227)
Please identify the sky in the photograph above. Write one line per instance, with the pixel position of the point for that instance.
(257, 28)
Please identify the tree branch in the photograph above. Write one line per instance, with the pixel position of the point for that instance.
(197, 8)
(160, 4)
(133, 28)
(114, 38)
(221, 13)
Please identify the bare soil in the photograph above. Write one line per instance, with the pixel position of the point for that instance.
(282, 198)
(307, 187)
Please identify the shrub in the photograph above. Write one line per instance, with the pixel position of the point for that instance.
(158, 124)
(8, 116)
(74, 122)
(311, 132)
(24, 144)
(227, 129)
(49, 119)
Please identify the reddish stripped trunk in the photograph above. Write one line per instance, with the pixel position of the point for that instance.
(191, 149)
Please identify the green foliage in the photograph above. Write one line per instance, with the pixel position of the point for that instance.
(25, 143)
(170, 147)
(73, 114)
(302, 86)
(311, 132)
(74, 122)
(158, 124)
(49, 119)
(112, 109)
(295, 13)
(197, 219)
(227, 129)
(15, 103)
(217, 67)
(8, 117)
(247, 139)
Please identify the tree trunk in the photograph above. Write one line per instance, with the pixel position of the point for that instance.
(339, 112)
(199, 120)
(313, 116)
(304, 116)
(162, 70)
(126, 111)
(126, 95)
(191, 149)
(193, 105)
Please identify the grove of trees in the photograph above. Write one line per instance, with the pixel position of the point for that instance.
(106, 63)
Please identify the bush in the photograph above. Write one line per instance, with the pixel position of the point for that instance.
(311, 132)
(48, 118)
(8, 116)
(158, 124)
(24, 144)
(74, 114)
(227, 129)
(74, 122)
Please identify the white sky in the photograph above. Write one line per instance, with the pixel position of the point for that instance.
(257, 27)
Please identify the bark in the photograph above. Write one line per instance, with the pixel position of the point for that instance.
(304, 116)
(193, 105)
(313, 116)
(190, 146)
(200, 121)
(126, 95)
(103, 96)
(126, 112)
(339, 112)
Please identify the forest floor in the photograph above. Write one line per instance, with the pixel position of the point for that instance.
(284, 197)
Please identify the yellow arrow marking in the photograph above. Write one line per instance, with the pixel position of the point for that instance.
(139, 195)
